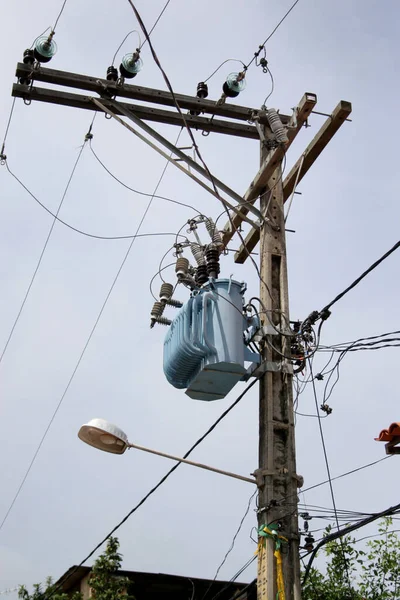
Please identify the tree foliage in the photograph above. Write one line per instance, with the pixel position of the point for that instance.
(356, 574)
(44, 592)
(104, 580)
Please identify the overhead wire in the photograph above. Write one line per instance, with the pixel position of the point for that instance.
(330, 479)
(85, 345)
(155, 488)
(137, 191)
(361, 277)
(232, 542)
(122, 43)
(39, 262)
(192, 137)
(233, 579)
(221, 65)
(59, 15)
(346, 530)
(80, 231)
(156, 21)
(2, 156)
(261, 47)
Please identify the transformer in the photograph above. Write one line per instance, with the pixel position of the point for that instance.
(204, 349)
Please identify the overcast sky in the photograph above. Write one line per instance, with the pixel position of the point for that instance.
(347, 216)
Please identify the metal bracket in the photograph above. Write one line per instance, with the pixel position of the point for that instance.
(392, 446)
(256, 370)
(261, 474)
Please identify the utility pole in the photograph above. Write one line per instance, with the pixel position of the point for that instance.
(277, 455)
(278, 482)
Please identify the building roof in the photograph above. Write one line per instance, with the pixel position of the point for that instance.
(151, 586)
(387, 435)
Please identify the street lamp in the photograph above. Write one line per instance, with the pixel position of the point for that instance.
(102, 435)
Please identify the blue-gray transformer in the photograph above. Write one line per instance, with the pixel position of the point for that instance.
(204, 349)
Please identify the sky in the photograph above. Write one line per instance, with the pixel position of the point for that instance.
(346, 218)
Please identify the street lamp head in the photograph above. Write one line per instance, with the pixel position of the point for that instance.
(105, 436)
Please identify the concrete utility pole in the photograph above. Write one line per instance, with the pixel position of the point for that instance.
(277, 454)
(278, 556)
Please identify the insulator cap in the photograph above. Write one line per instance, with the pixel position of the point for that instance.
(29, 57)
(45, 49)
(130, 66)
(112, 73)
(232, 87)
(166, 291)
(202, 90)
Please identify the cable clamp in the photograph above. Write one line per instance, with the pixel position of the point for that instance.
(261, 474)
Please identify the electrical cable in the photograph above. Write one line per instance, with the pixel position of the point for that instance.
(59, 15)
(233, 579)
(272, 86)
(329, 477)
(361, 277)
(221, 65)
(2, 156)
(371, 464)
(261, 47)
(89, 337)
(184, 121)
(122, 43)
(155, 488)
(38, 265)
(232, 543)
(137, 191)
(156, 22)
(80, 231)
(340, 533)
(154, 276)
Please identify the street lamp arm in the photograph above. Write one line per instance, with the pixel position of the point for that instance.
(190, 462)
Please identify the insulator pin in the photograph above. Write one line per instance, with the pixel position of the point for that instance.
(112, 73)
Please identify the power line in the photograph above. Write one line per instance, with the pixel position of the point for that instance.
(80, 231)
(261, 47)
(85, 346)
(156, 22)
(371, 464)
(233, 579)
(2, 156)
(59, 14)
(329, 475)
(122, 43)
(158, 485)
(195, 146)
(41, 254)
(346, 530)
(361, 277)
(232, 543)
(137, 191)
(221, 65)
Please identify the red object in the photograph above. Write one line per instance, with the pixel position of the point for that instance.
(387, 435)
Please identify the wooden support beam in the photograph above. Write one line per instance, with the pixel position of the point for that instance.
(259, 183)
(313, 150)
(144, 112)
(134, 92)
